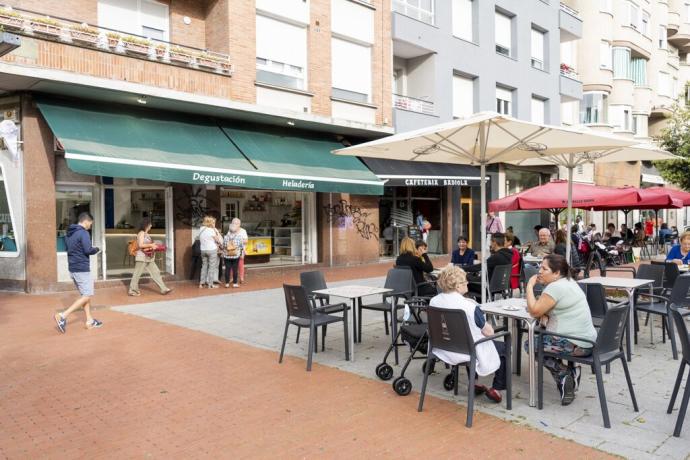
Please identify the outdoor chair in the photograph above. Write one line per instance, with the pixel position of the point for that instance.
(314, 281)
(402, 284)
(671, 272)
(499, 284)
(684, 334)
(529, 271)
(449, 330)
(596, 299)
(607, 348)
(659, 305)
(301, 314)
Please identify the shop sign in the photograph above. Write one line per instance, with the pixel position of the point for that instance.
(219, 179)
(431, 182)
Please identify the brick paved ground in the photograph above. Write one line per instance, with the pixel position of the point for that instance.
(140, 388)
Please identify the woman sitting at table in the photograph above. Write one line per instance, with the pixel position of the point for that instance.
(463, 255)
(680, 253)
(562, 308)
(560, 248)
(490, 358)
(415, 257)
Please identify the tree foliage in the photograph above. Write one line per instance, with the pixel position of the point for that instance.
(676, 139)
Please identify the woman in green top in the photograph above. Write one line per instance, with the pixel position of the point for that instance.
(562, 308)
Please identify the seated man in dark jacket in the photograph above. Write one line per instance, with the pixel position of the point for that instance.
(500, 256)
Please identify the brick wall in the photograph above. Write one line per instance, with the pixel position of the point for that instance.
(617, 174)
(193, 34)
(217, 32)
(319, 57)
(382, 57)
(78, 10)
(242, 22)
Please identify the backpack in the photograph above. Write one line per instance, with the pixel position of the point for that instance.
(196, 248)
(132, 248)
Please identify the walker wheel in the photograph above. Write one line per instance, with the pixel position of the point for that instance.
(384, 371)
(449, 382)
(402, 386)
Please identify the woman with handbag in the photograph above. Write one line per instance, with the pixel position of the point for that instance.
(233, 244)
(145, 260)
(211, 242)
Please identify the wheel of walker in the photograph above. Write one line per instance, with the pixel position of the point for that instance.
(449, 382)
(384, 371)
(402, 386)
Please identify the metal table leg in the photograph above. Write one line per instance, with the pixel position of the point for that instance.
(531, 360)
(352, 332)
(631, 324)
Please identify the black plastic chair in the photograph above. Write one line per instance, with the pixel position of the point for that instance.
(314, 281)
(499, 284)
(607, 348)
(596, 299)
(671, 273)
(401, 281)
(449, 330)
(682, 327)
(301, 314)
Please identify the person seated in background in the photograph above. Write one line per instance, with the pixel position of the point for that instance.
(490, 358)
(544, 246)
(516, 240)
(665, 233)
(639, 236)
(560, 248)
(562, 309)
(516, 262)
(626, 233)
(500, 255)
(414, 256)
(463, 255)
(680, 253)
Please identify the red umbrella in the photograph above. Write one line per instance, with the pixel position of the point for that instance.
(554, 197)
(677, 194)
(647, 199)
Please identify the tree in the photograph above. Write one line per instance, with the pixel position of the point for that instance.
(676, 139)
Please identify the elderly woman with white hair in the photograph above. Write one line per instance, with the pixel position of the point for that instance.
(233, 248)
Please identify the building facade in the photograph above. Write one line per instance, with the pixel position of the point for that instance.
(192, 107)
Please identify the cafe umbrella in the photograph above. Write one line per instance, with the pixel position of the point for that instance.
(487, 138)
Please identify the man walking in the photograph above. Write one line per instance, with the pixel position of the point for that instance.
(79, 250)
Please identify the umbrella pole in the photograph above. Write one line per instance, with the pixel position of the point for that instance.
(569, 218)
(482, 178)
(656, 228)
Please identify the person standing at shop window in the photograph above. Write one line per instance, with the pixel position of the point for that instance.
(233, 247)
(79, 250)
(145, 260)
(493, 224)
(245, 238)
(210, 242)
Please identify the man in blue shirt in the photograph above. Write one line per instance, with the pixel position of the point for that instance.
(79, 250)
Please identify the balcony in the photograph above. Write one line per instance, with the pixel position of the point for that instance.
(570, 84)
(83, 35)
(570, 23)
(407, 8)
(412, 104)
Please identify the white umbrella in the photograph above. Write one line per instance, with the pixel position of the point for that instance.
(483, 139)
(638, 152)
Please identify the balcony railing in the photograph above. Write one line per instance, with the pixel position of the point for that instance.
(569, 72)
(33, 24)
(413, 104)
(570, 10)
(415, 12)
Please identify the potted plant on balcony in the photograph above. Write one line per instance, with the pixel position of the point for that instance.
(213, 61)
(46, 26)
(113, 39)
(85, 34)
(161, 51)
(11, 20)
(136, 45)
(180, 55)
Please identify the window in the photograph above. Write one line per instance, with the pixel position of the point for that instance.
(422, 10)
(606, 6)
(645, 24)
(664, 84)
(638, 69)
(621, 62)
(634, 15)
(8, 241)
(504, 101)
(538, 111)
(620, 117)
(463, 96)
(663, 43)
(139, 17)
(463, 19)
(70, 202)
(605, 55)
(640, 126)
(280, 62)
(350, 70)
(537, 47)
(687, 12)
(674, 88)
(594, 108)
(504, 32)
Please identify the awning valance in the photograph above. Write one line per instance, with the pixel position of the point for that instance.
(418, 173)
(121, 141)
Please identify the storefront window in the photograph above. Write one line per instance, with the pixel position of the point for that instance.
(8, 242)
(522, 222)
(70, 203)
(273, 221)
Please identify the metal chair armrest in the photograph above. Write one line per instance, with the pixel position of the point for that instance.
(324, 307)
(654, 296)
(565, 336)
(622, 269)
(494, 336)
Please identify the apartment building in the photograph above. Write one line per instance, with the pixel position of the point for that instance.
(640, 73)
(452, 58)
(172, 109)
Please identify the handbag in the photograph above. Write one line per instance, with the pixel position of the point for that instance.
(132, 247)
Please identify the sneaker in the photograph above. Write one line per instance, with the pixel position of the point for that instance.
(61, 323)
(577, 376)
(567, 389)
(494, 395)
(94, 324)
(227, 285)
(166, 292)
(201, 286)
(235, 285)
(134, 293)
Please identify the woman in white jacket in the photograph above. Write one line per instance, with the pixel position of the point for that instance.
(490, 355)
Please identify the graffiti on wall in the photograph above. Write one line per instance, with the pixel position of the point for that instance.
(344, 215)
(192, 206)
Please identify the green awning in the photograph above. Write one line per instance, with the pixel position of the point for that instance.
(129, 142)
